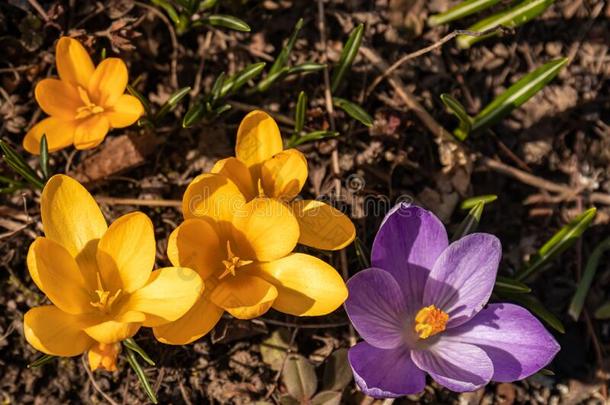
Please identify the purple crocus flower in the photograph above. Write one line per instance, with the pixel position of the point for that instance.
(422, 309)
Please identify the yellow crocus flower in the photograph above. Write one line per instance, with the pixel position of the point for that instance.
(261, 167)
(242, 251)
(99, 279)
(84, 104)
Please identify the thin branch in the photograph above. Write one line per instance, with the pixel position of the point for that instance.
(134, 201)
(97, 387)
(437, 44)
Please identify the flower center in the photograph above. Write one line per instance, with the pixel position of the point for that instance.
(89, 108)
(429, 321)
(104, 299)
(232, 263)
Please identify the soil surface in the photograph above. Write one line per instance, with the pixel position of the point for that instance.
(547, 162)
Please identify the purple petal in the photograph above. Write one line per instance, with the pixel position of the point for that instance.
(514, 339)
(376, 307)
(463, 277)
(408, 243)
(458, 366)
(385, 373)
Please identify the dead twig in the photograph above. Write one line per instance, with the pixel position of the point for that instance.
(97, 387)
(134, 201)
(36, 6)
(430, 48)
(408, 98)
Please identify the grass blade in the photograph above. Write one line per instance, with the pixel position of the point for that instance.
(133, 362)
(470, 223)
(517, 94)
(282, 58)
(348, 54)
(353, 110)
(299, 115)
(227, 21)
(473, 201)
(307, 67)
(130, 343)
(193, 115)
(169, 9)
(44, 157)
(520, 14)
(264, 84)
(459, 111)
(578, 300)
(461, 10)
(42, 360)
(310, 137)
(510, 285)
(558, 243)
(172, 102)
(141, 98)
(237, 81)
(20, 166)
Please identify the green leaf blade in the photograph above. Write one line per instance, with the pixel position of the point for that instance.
(354, 111)
(558, 243)
(299, 115)
(463, 9)
(282, 58)
(348, 54)
(514, 17)
(578, 300)
(517, 94)
(227, 21)
(460, 112)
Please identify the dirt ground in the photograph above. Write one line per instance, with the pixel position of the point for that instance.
(547, 162)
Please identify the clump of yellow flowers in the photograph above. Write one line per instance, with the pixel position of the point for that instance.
(234, 252)
(99, 278)
(84, 104)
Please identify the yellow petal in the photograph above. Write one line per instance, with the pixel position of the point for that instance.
(125, 111)
(56, 273)
(73, 62)
(91, 131)
(195, 244)
(322, 226)
(239, 174)
(258, 138)
(264, 230)
(103, 356)
(72, 218)
(52, 331)
(60, 134)
(197, 322)
(284, 175)
(57, 98)
(168, 295)
(108, 82)
(126, 253)
(244, 296)
(213, 196)
(109, 331)
(306, 285)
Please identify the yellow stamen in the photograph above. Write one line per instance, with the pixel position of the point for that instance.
(89, 108)
(261, 190)
(104, 299)
(429, 321)
(232, 263)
